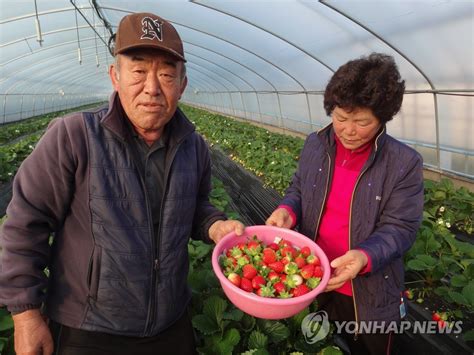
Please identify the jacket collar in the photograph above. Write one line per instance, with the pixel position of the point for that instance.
(115, 120)
(328, 136)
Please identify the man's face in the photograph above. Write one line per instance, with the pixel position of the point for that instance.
(355, 128)
(149, 84)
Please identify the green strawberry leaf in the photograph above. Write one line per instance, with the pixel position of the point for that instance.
(205, 324)
(276, 331)
(214, 308)
(257, 340)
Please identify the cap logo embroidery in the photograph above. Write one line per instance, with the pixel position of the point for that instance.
(151, 29)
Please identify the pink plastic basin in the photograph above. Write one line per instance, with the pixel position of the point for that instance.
(262, 307)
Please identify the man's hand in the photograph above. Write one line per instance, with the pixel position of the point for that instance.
(219, 229)
(32, 335)
(280, 218)
(346, 268)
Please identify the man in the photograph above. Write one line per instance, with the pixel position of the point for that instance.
(122, 188)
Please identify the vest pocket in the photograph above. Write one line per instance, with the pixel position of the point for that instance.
(94, 272)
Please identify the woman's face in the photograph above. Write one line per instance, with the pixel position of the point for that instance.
(356, 127)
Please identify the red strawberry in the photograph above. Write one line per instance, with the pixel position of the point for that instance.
(285, 260)
(279, 287)
(258, 281)
(277, 266)
(300, 261)
(283, 278)
(246, 284)
(266, 291)
(300, 290)
(305, 251)
(284, 243)
(234, 278)
(436, 317)
(253, 244)
(249, 271)
(313, 259)
(289, 251)
(307, 271)
(269, 256)
(273, 246)
(318, 271)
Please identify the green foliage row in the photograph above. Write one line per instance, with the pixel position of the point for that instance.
(13, 154)
(445, 264)
(271, 156)
(17, 129)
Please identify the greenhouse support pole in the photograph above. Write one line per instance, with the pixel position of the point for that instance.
(5, 108)
(34, 105)
(44, 104)
(21, 106)
(258, 105)
(243, 104)
(438, 154)
(309, 111)
(279, 109)
(232, 103)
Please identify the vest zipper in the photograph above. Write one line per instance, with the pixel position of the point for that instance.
(156, 246)
(350, 236)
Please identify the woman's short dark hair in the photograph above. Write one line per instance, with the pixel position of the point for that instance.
(369, 82)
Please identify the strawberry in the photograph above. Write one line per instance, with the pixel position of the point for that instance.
(277, 266)
(305, 251)
(269, 256)
(273, 276)
(285, 260)
(236, 252)
(307, 271)
(279, 287)
(436, 317)
(318, 272)
(249, 271)
(313, 282)
(313, 259)
(243, 260)
(293, 280)
(246, 284)
(266, 291)
(300, 261)
(234, 278)
(291, 268)
(284, 243)
(273, 246)
(258, 281)
(300, 290)
(409, 294)
(289, 251)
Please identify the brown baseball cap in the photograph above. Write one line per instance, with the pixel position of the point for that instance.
(146, 30)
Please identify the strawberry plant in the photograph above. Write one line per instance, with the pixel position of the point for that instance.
(454, 208)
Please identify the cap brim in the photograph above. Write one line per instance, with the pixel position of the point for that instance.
(151, 46)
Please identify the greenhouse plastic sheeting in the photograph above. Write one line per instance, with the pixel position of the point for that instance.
(265, 61)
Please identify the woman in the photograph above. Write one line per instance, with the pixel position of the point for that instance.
(358, 192)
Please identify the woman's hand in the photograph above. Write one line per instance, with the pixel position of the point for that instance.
(220, 229)
(346, 267)
(280, 218)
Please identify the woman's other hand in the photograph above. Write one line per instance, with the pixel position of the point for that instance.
(346, 267)
(280, 218)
